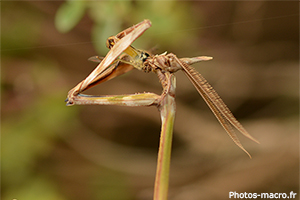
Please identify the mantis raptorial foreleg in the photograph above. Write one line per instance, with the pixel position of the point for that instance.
(133, 100)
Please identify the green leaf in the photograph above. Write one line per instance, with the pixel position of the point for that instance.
(69, 14)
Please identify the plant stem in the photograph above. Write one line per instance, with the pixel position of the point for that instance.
(167, 112)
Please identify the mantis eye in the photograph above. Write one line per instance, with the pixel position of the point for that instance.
(144, 56)
(110, 42)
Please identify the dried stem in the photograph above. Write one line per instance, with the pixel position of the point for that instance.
(167, 112)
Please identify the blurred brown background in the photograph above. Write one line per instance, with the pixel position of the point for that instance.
(50, 151)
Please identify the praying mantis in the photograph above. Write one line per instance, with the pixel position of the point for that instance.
(123, 58)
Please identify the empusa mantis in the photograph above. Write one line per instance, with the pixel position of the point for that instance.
(122, 58)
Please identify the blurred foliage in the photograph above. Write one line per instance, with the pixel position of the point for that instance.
(69, 14)
(110, 185)
(110, 17)
(19, 30)
(40, 125)
(35, 188)
(29, 135)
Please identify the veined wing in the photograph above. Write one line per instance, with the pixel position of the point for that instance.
(216, 104)
(111, 56)
(96, 59)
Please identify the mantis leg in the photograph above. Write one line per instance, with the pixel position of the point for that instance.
(138, 99)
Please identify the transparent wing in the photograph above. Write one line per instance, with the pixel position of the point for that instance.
(96, 59)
